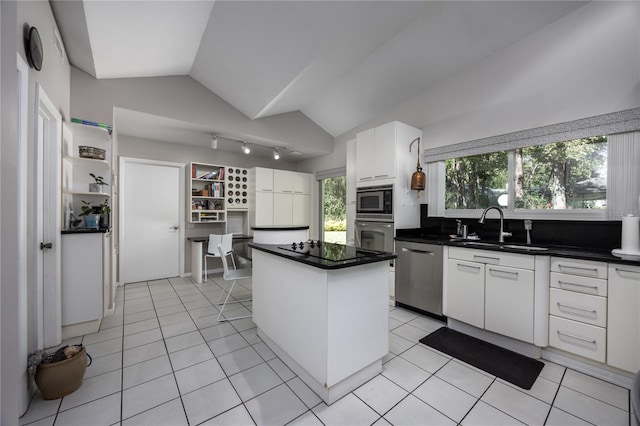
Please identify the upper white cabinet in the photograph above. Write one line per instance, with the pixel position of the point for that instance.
(623, 332)
(282, 197)
(380, 152)
(263, 179)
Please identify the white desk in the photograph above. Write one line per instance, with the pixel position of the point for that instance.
(240, 247)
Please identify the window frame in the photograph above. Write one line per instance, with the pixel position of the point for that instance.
(607, 124)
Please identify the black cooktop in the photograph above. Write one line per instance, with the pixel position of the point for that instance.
(329, 251)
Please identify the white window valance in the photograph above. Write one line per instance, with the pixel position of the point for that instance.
(607, 124)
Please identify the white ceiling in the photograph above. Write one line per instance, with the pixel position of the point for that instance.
(341, 63)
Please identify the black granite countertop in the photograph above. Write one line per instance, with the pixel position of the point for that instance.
(328, 256)
(85, 231)
(586, 253)
(280, 228)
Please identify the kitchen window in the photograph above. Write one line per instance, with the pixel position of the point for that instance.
(562, 171)
(556, 176)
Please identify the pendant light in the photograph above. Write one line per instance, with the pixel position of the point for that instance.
(418, 179)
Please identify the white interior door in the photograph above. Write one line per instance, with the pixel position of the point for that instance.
(152, 214)
(48, 299)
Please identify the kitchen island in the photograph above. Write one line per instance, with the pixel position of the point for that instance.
(324, 313)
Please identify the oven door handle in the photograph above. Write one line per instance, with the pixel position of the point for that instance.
(376, 224)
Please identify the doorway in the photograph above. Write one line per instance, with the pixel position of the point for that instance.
(151, 217)
(333, 222)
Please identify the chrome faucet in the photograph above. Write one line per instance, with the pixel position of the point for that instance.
(502, 233)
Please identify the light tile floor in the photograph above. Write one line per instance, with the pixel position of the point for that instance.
(163, 359)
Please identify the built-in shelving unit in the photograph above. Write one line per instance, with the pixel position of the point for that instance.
(76, 170)
(207, 202)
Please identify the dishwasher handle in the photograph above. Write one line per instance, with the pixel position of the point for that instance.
(418, 251)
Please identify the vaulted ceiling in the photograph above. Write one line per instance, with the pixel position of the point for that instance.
(341, 63)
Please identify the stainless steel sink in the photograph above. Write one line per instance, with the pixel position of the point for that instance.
(503, 246)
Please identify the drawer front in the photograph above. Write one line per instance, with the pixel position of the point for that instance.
(514, 260)
(584, 268)
(579, 307)
(592, 286)
(578, 338)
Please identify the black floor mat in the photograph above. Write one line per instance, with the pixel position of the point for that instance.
(508, 365)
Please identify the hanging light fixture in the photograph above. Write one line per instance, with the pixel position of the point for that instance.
(214, 142)
(418, 179)
(276, 155)
(245, 148)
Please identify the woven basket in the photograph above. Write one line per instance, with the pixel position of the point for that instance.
(91, 152)
(61, 378)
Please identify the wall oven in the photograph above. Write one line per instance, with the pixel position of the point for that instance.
(375, 203)
(374, 235)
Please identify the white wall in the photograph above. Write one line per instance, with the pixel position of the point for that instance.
(9, 272)
(55, 80)
(182, 98)
(585, 64)
(164, 151)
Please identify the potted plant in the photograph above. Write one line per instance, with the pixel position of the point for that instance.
(99, 184)
(104, 211)
(90, 217)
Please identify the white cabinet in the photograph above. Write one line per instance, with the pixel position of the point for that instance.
(381, 152)
(263, 179)
(281, 197)
(578, 307)
(465, 291)
(207, 193)
(623, 332)
(86, 150)
(509, 302)
(492, 290)
(83, 274)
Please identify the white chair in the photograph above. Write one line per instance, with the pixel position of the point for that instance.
(231, 275)
(226, 240)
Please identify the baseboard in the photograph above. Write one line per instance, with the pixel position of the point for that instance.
(80, 329)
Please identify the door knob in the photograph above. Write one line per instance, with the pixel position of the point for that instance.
(46, 246)
(175, 228)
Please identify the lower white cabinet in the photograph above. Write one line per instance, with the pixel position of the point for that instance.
(509, 302)
(623, 343)
(82, 277)
(282, 209)
(578, 307)
(465, 292)
(263, 209)
(492, 290)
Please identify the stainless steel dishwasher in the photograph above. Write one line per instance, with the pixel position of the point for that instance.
(419, 276)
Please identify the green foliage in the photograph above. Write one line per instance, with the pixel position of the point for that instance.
(335, 225)
(476, 182)
(334, 192)
(569, 174)
(99, 179)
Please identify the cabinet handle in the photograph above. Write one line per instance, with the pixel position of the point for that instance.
(503, 272)
(580, 268)
(366, 178)
(562, 305)
(381, 176)
(266, 190)
(562, 333)
(468, 266)
(593, 287)
(476, 256)
(627, 270)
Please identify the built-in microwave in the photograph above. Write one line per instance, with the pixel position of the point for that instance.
(375, 203)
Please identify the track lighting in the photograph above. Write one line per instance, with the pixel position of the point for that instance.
(276, 156)
(214, 142)
(245, 148)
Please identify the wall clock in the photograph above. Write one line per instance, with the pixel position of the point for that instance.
(34, 49)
